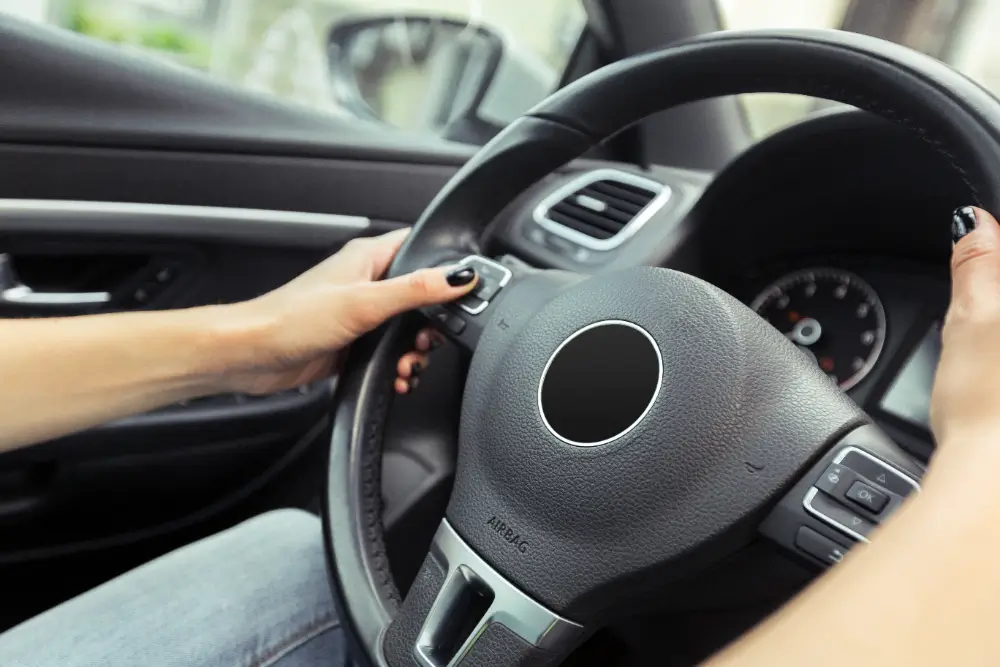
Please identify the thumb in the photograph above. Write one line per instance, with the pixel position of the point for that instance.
(376, 302)
(975, 263)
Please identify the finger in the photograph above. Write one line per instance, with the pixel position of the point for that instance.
(374, 303)
(975, 263)
(423, 341)
(366, 258)
(375, 253)
(409, 371)
(411, 365)
(384, 249)
(429, 339)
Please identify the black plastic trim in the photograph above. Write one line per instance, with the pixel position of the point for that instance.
(172, 221)
(213, 419)
(231, 501)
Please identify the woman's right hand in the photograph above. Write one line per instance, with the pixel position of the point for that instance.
(966, 402)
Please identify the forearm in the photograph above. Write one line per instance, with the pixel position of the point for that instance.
(926, 592)
(65, 374)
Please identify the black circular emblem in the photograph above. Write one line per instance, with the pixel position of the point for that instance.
(600, 382)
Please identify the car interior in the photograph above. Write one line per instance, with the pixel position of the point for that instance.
(629, 230)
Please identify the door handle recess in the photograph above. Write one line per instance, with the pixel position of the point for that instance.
(14, 293)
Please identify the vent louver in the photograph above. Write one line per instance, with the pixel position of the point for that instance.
(602, 208)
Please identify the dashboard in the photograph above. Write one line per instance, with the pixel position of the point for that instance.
(835, 230)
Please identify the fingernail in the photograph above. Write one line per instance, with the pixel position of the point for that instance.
(435, 343)
(963, 221)
(415, 369)
(463, 275)
(413, 383)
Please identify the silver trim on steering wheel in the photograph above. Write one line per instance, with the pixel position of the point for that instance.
(511, 608)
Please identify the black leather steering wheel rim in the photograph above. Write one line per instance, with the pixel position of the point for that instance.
(958, 118)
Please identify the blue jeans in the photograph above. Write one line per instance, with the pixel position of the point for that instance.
(256, 595)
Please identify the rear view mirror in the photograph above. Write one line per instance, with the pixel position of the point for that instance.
(433, 75)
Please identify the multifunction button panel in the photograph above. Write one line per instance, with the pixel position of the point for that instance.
(844, 497)
(857, 492)
(455, 318)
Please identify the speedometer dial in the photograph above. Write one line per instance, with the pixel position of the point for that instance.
(833, 316)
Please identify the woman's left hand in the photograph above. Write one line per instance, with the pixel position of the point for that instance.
(298, 332)
(415, 362)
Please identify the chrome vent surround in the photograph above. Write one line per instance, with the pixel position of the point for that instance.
(601, 209)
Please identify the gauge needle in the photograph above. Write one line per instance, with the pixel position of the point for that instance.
(806, 332)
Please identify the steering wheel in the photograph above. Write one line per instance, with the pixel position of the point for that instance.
(617, 432)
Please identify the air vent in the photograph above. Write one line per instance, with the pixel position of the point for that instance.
(601, 209)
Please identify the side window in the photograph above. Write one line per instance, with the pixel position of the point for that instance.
(421, 65)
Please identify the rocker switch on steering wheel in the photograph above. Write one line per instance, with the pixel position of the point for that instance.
(857, 480)
(463, 320)
(861, 482)
(492, 278)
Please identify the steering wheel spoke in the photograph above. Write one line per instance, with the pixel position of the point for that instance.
(461, 611)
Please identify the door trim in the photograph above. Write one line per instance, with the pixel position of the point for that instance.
(250, 225)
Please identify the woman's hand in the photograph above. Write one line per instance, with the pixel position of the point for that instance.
(966, 403)
(300, 330)
(413, 363)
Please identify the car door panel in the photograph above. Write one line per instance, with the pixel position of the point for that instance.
(148, 470)
(131, 166)
(66, 495)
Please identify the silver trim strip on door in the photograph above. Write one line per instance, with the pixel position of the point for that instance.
(210, 222)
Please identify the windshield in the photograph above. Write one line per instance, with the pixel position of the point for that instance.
(961, 33)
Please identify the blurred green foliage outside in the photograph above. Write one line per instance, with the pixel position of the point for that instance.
(95, 20)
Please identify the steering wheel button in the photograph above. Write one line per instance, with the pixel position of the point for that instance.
(486, 289)
(454, 324)
(881, 474)
(867, 497)
(834, 477)
(493, 272)
(819, 546)
(837, 515)
(472, 304)
(492, 278)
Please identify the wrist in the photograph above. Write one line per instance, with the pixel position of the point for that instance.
(234, 339)
(965, 462)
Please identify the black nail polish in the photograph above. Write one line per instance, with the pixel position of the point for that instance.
(415, 369)
(963, 221)
(414, 383)
(435, 343)
(463, 275)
